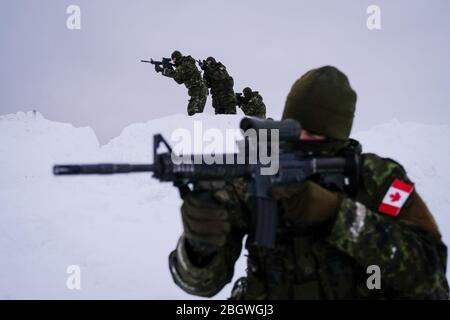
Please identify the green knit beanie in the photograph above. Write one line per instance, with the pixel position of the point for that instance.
(323, 101)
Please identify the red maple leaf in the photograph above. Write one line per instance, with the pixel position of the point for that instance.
(395, 197)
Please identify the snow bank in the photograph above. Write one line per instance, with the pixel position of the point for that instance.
(120, 229)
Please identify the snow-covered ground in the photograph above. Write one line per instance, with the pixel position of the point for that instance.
(120, 229)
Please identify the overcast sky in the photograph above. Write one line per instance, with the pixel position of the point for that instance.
(93, 76)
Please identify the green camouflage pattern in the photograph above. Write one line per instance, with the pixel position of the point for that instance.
(330, 260)
(255, 106)
(221, 83)
(186, 73)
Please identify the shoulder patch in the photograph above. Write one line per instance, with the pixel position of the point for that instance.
(381, 178)
(395, 197)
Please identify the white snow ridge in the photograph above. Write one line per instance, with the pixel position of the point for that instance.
(120, 229)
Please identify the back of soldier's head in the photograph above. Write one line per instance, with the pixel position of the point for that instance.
(247, 92)
(176, 55)
(323, 101)
(211, 60)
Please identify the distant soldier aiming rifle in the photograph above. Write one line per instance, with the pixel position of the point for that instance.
(184, 71)
(251, 103)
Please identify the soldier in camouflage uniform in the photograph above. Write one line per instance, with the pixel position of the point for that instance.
(251, 103)
(325, 240)
(221, 83)
(186, 72)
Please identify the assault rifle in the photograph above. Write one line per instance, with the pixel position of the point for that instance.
(294, 166)
(203, 64)
(165, 63)
(241, 100)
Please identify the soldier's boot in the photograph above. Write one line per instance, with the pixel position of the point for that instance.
(217, 107)
(229, 111)
(219, 111)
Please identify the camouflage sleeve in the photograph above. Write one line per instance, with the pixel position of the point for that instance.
(410, 260)
(206, 276)
(408, 251)
(178, 74)
(204, 279)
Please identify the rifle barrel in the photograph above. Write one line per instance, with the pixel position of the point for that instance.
(103, 168)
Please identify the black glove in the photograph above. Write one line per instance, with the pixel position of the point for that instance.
(158, 68)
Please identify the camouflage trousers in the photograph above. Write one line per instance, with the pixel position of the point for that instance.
(224, 103)
(198, 99)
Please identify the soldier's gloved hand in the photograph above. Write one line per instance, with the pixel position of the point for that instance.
(307, 202)
(158, 68)
(205, 220)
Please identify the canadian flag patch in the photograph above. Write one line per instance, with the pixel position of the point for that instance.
(395, 197)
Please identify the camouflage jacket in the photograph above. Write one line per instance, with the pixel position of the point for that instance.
(217, 78)
(255, 106)
(331, 261)
(186, 73)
